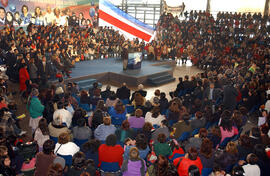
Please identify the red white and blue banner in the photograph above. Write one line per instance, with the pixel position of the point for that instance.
(110, 15)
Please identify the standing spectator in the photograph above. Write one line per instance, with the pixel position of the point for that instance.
(35, 109)
(229, 96)
(33, 71)
(24, 76)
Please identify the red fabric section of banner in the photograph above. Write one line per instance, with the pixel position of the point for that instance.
(125, 27)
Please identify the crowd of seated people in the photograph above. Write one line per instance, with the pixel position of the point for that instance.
(198, 132)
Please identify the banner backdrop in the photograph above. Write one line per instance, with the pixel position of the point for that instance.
(12, 10)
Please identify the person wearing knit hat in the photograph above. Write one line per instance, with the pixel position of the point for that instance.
(35, 109)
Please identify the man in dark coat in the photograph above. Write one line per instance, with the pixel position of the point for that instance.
(211, 94)
(123, 93)
(229, 96)
(43, 71)
(124, 56)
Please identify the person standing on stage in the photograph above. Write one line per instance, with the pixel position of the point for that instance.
(124, 56)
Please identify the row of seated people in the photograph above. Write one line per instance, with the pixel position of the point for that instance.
(152, 149)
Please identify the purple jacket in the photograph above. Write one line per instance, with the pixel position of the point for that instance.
(134, 168)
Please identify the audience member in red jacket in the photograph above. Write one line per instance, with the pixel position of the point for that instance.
(110, 152)
(191, 158)
(23, 76)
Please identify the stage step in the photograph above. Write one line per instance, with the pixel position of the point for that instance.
(87, 84)
(161, 78)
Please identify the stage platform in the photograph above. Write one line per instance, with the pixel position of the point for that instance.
(111, 71)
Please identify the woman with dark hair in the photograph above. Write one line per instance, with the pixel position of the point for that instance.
(134, 165)
(85, 100)
(206, 153)
(25, 15)
(226, 159)
(215, 136)
(141, 144)
(9, 19)
(163, 103)
(55, 170)
(112, 100)
(78, 113)
(81, 131)
(38, 16)
(80, 165)
(154, 116)
(164, 128)
(244, 146)
(196, 141)
(147, 130)
(181, 126)
(174, 113)
(101, 106)
(124, 132)
(199, 121)
(118, 113)
(226, 126)
(41, 133)
(5, 166)
(161, 147)
(138, 101)
(90, 149)
(110, 151)
(162, 167)
(45, 158)
(17, 20)
(183, 163)
(96, 119)
(193, 171)
(136, 121)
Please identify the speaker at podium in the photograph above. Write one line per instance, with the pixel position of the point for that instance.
(134, 60)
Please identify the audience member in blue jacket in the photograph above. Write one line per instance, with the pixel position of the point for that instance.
(118, 113)
(105, 129)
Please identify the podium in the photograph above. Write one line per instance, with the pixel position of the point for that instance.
(134, 60)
